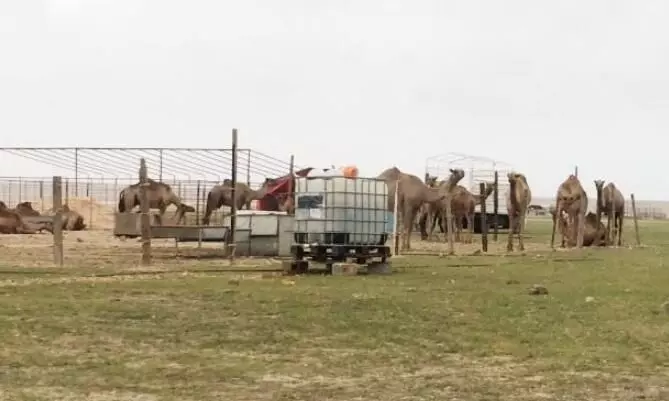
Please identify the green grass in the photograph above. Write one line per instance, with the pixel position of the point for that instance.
(460, 328)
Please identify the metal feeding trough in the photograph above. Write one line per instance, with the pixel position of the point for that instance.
(129, 225)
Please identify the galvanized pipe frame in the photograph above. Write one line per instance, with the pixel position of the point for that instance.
(103, 174)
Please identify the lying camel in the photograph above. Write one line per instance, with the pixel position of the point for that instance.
(71, 219)
(26, 209)
(160, 196)
(11, 222)
(592, 236)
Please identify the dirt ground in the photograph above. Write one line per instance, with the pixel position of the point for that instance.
(99, 248)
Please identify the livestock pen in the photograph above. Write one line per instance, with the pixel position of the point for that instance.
(91, 180)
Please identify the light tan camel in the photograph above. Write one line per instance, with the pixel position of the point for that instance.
(610, 201)
(435, 213)
(517, 202)
(160, 195)
(594, 233)
(463, 206)
(412, 193)
(571, 198)
(221, 195)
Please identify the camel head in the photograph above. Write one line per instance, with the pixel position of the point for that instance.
(457, 174)
(515, 177)
(430, 181)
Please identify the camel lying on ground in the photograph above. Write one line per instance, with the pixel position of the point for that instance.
(160, 196)
(592, 235)
(11, 222)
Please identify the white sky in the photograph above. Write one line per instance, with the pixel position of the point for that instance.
(543, 85)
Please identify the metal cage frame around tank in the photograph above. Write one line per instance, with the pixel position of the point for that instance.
(477, 169)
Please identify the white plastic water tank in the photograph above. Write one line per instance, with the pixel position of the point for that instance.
(340, 210)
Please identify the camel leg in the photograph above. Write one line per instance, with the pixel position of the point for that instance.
(620, 229)
(556, 218)
(408, 226)
(470, 226)
(509, 241)
(521, 230)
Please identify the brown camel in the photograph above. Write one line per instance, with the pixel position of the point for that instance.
(71, 219)
(571, 198)
(221, 195)
(26, 209)
(611, 202)
(517, 202)
(412, 193)
(463, 206)
(160, 196)
(11, 222)
(594, 233)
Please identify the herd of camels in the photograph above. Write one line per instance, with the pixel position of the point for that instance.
(419, 203)
(424, 203)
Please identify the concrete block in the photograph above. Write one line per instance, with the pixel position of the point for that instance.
(344, 269)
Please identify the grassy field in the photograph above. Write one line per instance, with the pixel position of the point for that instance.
(449, 328)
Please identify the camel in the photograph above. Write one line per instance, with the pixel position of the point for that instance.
(463, 205)
(160, 195)
(412, 193)
(26, 209)
(609, 198)
(11, 222)
(571, 198)
(517, 203)
(71, 219)
(594, 233)
(221, 195)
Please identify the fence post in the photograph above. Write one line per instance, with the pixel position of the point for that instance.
(67, 191)
(484, 218)
(58, 221)
(89, 194)
(495, 207)
(41, 195)
(144, 220)
(636, 222)
(233, 209)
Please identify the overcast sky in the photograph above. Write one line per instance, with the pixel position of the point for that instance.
(541, 85)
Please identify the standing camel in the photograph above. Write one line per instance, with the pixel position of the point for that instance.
(221, 195)
(517, 202)
(412, 193)
(463, 204)
(572, 198)
(160, 196)
(611, 202)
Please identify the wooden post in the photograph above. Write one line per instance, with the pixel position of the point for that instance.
(58, 221)
(290, 197)
(611, 228)
(248, 167)
(576, 171)
(484, 219)
(67, 191)
(233, 209)
(41, 195)
(197, 213)
(89, 192)
(495, 207)
(636, 222)
(145, 218)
